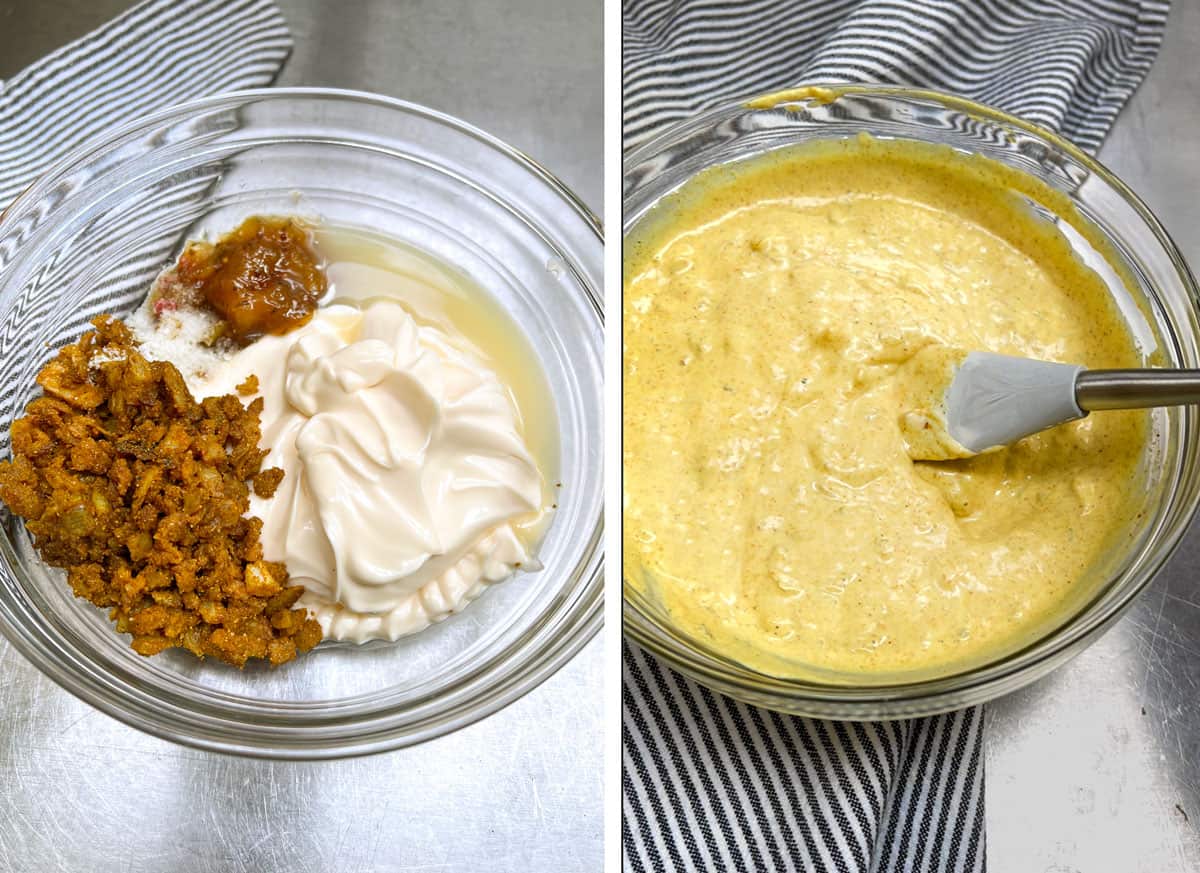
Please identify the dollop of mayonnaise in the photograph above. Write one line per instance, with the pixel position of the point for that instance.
(405, 471)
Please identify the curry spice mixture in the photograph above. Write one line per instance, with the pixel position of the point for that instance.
(140, 492)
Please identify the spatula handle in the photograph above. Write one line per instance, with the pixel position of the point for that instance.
(1136, 389)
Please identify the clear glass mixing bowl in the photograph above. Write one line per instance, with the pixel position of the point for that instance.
(90, 235)
(1128, 248)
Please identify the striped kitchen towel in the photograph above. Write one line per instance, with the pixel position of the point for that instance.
(159, 53)
(1067, 64)
(710, 784)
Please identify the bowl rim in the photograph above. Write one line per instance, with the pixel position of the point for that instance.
(97, 141)
(983, 681)
(503, 689)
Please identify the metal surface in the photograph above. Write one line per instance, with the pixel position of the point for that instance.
(519, 791)
(1136, 389)
(1097, 767)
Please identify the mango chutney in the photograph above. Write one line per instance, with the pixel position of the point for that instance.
(771, 511)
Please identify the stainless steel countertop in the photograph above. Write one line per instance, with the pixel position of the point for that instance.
(519, 791)
(1097, 767)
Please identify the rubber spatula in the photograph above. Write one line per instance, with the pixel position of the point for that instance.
(958, 404)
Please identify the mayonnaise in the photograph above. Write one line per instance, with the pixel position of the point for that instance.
(408, 487)
(802, 305)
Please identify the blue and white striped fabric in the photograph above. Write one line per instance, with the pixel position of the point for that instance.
(1067, 64)
(157, 54)
(710, 784)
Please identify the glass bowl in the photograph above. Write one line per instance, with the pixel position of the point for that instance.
(1111, 229)
(90, 235)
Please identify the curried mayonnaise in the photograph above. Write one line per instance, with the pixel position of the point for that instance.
(780, 317)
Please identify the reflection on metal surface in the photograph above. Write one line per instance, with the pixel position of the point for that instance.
(520, 790)
(1098, 766)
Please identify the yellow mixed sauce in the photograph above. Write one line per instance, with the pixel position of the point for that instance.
(771, 509)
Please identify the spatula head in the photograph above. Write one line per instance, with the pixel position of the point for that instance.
(996, 400)
(958, 404)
